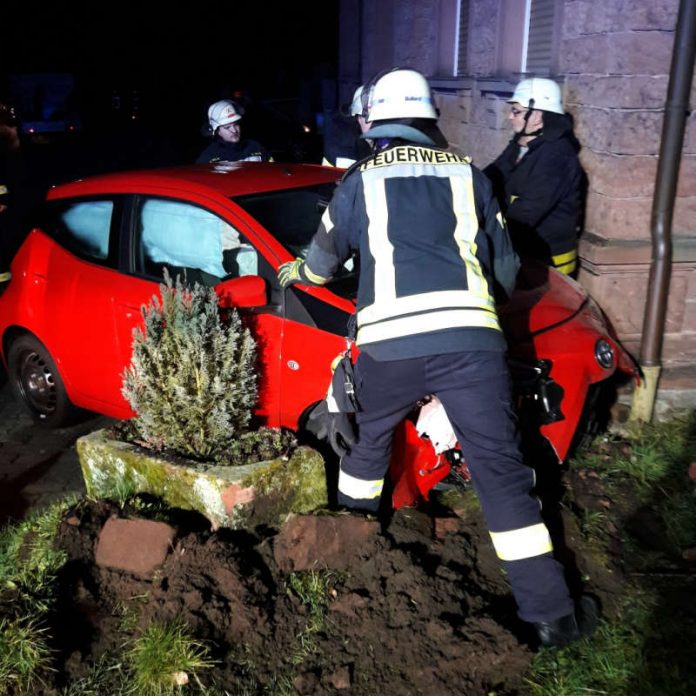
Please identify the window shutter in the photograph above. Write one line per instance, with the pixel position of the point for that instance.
(540, 37)
(463, 38)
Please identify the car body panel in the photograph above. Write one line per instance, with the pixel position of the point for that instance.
(84, 313)
(550, 317)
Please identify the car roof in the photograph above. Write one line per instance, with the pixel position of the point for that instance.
(226, 179)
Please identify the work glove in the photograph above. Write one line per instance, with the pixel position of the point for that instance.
(292, 272)
(335, 427)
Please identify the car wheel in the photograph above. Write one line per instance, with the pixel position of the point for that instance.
(36, 382)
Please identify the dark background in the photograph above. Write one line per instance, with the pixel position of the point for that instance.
(145, 73)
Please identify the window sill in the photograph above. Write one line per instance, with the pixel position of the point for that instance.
(499, 86)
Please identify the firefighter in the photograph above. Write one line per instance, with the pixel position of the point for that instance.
(538, 179)
(342, 155)
(228, 146)
(433, 246)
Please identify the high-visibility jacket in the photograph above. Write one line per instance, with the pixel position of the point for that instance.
(540, 194)
(432, 245)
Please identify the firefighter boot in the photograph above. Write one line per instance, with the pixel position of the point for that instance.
(581, 623)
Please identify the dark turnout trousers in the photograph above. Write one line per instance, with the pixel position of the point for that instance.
(474, 388)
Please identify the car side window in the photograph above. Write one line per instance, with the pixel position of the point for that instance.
(84, 227)
(191, 241)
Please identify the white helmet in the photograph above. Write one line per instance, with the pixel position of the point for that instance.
(545, 93)
(223, 112)
(400, 94)
(356, 106)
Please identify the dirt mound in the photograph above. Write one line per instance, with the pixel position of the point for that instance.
(418, 607)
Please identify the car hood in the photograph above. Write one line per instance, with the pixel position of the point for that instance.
(543, 298)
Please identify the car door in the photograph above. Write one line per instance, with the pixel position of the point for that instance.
(200, 245)
(314, 319)
(81, 283)
(314, 334)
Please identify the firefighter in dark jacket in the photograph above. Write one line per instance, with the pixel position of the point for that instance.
(432, 245)
(344, 154)
(228, 146)
(538, 179)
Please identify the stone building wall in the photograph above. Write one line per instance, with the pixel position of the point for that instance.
(613, 65)
(616, 59)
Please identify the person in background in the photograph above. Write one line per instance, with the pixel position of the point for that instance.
(341, 155)
(433, 249)
(12, 194)
(538, 180)
(228, 146)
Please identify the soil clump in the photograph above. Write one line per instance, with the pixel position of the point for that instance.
(327, 604)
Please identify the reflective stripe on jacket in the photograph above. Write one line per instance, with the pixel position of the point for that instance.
(431, 241)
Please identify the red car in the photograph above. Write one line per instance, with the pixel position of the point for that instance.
(98, 254)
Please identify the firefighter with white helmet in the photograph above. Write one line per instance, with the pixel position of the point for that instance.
(224, 117)
(400, 104)
(543, 94)
(433, 248)
(356, 107)
(538, 179)
(344, 154)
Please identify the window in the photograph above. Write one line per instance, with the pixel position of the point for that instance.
(453, 58)
(539, 46)
(83, 227)
(190, 241)
(462, 45)
(292, 216)
(528, 37)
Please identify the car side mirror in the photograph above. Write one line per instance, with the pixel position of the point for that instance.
(247, 291)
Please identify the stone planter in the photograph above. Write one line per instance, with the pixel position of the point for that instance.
(229, 496)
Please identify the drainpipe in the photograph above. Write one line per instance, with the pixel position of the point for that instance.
(676, 109)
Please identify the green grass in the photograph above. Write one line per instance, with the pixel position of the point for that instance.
(647, 454)
(164, 658)
(128, 613)
(646, 649)
(121, 492)
(593, 523)
(28, 560)
(678, 512)
(313, 589)
(28, 566)
(24, 654)
(654, 460)
(631, 655)
(107, 677)
(602, 664)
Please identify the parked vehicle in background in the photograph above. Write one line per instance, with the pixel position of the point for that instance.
(45, 103)
(103, 243)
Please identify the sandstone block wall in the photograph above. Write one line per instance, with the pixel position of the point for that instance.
(613, 63)
(615, 59)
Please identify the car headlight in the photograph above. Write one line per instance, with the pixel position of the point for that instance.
(604, 353)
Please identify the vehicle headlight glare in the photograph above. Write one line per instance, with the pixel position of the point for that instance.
(604, 353)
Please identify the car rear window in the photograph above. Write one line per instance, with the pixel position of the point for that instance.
(292, 216)
(84, 227)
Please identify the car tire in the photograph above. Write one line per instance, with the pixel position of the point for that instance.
(37, 384)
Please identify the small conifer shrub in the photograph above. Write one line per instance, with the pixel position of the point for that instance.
(192, 378)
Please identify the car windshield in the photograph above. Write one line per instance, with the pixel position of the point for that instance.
(292, 216)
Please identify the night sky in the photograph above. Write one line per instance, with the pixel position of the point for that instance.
(265, 46)
(163, 67)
